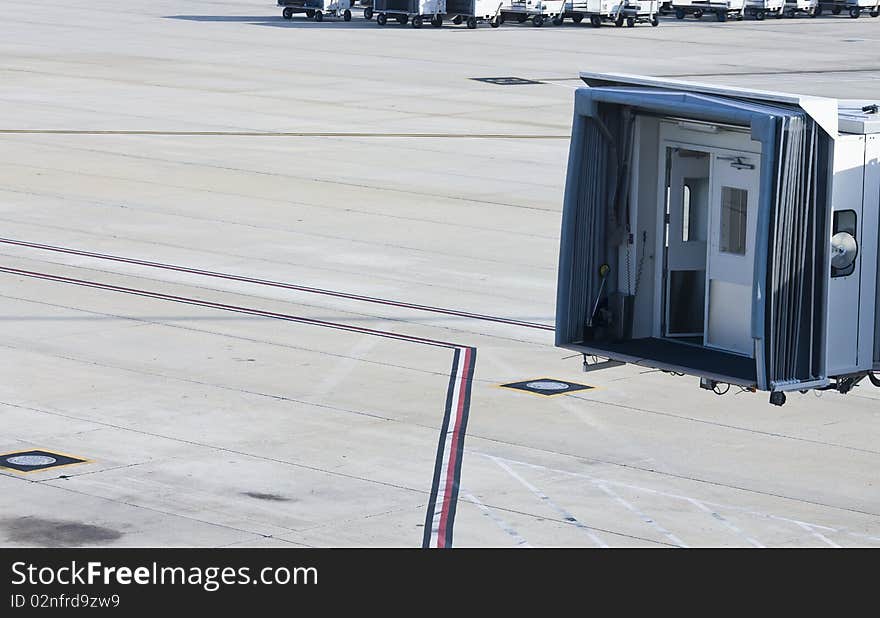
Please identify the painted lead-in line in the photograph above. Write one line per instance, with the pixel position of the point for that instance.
(440, 517)
(447, 468)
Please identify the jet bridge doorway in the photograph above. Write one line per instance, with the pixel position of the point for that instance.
(709, 202)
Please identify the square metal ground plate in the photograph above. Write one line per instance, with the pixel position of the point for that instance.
(548, 387)
(506, 81)
(34, 461)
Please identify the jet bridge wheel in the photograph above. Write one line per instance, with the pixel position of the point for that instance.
(368, 13)
(287, 13)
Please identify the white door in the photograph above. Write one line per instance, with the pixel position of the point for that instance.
(731, 259)
(686, 235)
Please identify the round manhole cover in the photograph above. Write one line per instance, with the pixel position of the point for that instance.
(31, 460)
(547, 385)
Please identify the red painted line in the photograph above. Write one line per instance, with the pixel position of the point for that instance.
(276, 284)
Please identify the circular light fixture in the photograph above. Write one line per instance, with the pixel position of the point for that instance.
(547, 385)
(31, 460)
(844, 249)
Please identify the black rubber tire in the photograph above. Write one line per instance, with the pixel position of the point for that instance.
(495, 22)
(403, 19)
(855, 12)
(760, 15)
(874, 13)
(698, 14)
(577, 18)
(472, 23)
(457, 20)
(618, 23)
(319, 16)
(346, 15)
(630, 22)
(368, 13)
(381, 19)
(287, 13)
(417, 22)
(721, 15)
(595, 21)
(679, 13)
(557, 21)
(437, 21)
(310, 14)
(538, 21)
(655, 21)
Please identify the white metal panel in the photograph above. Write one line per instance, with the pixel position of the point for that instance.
(843, 292)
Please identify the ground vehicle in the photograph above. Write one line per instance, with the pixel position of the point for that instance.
(316, 9)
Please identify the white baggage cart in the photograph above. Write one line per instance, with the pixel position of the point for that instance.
(721, 9)
(471, 12)
(854, 8)
(801, 7)
(538, 11)
(316, 9)
(410, 11)
(618, 12)
(760, 9)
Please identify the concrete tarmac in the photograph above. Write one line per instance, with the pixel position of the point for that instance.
(203, 211)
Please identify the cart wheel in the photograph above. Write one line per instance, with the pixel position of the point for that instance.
(630, 22)
(538, 21)
(368, 13)
(495, 22)
(310, 14)
(346, 15)
(721, 15)
(381, 19)
(319, 16)
(287, 13)
(457, 20)
(679, 13)
(437, 21)
(521, 19)
(655, 21)
(836, 9)
(595, 21)
(855, 12)
(577, 18)
(557, 21)
(698, 14)
(402, 19)
(875, 13)
(760, 15)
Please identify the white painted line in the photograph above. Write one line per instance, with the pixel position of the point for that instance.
(546, 499)
(520, 541)
(648, 520)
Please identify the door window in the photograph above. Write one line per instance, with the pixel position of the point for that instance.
(734, 212)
